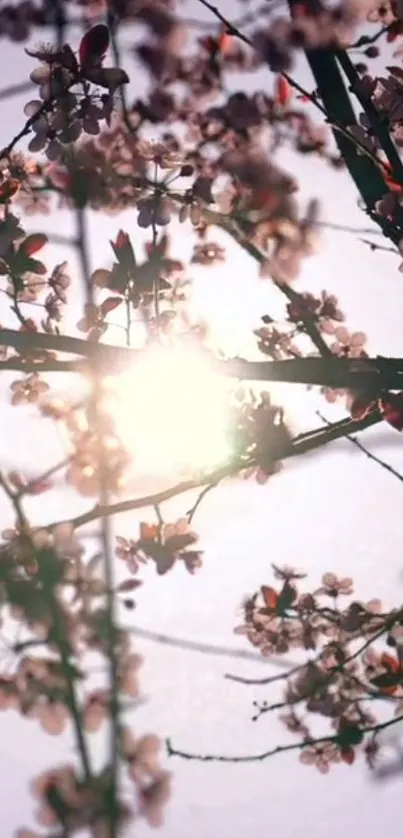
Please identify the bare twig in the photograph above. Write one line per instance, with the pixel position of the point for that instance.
(192, 511)
(233, 30)
(204, 648)
(365, 451)
(279, 749)
(302, 444)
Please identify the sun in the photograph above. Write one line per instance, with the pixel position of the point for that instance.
(171, 411)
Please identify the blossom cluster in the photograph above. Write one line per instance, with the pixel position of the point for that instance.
(57, 598)
(355, 660)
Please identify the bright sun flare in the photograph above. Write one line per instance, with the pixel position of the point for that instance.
(171, 412)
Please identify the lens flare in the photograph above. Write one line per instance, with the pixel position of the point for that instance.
(171, 412)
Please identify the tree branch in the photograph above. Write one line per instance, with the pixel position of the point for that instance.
(279, 749)
(302, 444)
(349, 373)
(204, 648)
(365, 451)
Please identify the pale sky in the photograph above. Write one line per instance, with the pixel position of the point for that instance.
(335, 510)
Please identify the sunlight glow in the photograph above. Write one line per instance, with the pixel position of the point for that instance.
(171, 412)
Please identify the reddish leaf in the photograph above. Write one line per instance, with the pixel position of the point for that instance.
(122, 240)
(270, 597)
(362, 405)
(392, 409)
(37, 487)
(148, 532)
(110, 304)
(348, 755)
(395, 29)
(94, 45)
(389, 662)
(263, 198)
(123, 250)
(393, 185)
(33, 243)
(282, 91)
(395, 71)
(8, 189)
(223, 41)
(388, 176)
(157, 251)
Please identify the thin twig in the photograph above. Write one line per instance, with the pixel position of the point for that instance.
(203, 648)
(15, 89)
(232, 29)
(192, 511)
(279, 749)
(44, 476)
(302, 444)
(271, 679)
(365, 451)
(374, 246)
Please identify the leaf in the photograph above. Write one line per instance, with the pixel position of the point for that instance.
(33, 243)
(392, 409)
(35, 267)
(123, 251)
(112, 77)
(94, 45)
(362, 404)
(101, 277)
(270, 597)
(286, 597)
(159, 250)
(179, 541)
(392, 33)
(129, 585)
(348, 755)
(210, 44)
(149, 532)
(396, 71)
(349, 734)
(387, 681)
(223, 41)
(110, 304)
(389, 662)
(202, 189)
(122, 240)
(282, 91)
(68, 59)
(393, 185)
(8, 189)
